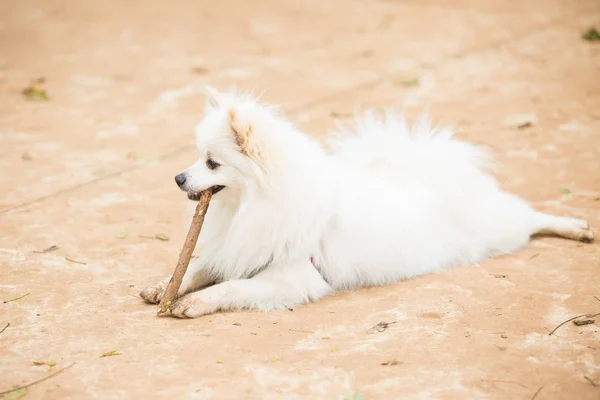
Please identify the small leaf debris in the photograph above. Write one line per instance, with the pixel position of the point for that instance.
(408, 82)
(591, 35)
(499, 275)
(111, 353)
(335, 114)
(17, 298)
(521, 121)
(50, 364)
(26, 156)
(14, 394)
(565, 190)
(584, 322)
(47, 250)
(34, 92)
(122, 235)
(160, 236)
(391, 363)
(380, 327)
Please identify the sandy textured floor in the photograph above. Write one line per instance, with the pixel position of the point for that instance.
(91, 171)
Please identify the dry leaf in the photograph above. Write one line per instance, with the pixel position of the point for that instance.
(111, 353)
(15, 394)
(521, 121)
(162, 236)
(591, 35)
(122, 235)
(50, 364)
(584, 322)
(35, 94)
(48, 250)
(410, 82)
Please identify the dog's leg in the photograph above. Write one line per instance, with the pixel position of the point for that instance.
(194, 279)
(278, 287)
(570, 228)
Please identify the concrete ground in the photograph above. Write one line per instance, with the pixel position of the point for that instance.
(90, 170)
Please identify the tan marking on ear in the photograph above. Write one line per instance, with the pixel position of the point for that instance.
(242, 134)
(243, 137)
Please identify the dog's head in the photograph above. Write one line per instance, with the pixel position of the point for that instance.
(230, 142)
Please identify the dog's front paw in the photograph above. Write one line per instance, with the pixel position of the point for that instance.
(192, 306)
(154, 294)
(206, 301)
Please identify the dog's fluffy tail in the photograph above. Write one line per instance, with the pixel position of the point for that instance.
(388, 145)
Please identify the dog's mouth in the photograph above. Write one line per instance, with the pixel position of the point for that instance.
(195, 196)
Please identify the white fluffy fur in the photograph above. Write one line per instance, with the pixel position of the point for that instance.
(388, 202)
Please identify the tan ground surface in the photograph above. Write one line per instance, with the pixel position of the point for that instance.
(124, 80)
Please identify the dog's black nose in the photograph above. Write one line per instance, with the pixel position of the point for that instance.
(180, 179)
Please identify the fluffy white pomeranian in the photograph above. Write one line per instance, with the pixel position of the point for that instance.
(292, 222)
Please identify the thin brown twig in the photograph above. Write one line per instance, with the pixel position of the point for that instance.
(572, 319)
(7, 325)
(297, 330)
(17, 298)
(590, 380)
(38, 381)
(596, 297)
(537, 392)
(75, 261)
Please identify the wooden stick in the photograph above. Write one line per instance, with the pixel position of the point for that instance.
(186, 252)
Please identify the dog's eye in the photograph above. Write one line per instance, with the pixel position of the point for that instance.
(212, 164)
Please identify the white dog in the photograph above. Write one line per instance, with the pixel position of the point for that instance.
(292, 222)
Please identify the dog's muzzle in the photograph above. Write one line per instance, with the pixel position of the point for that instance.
(195, 196)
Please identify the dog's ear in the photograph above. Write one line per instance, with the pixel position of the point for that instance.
(243, 133)
(211, 96)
